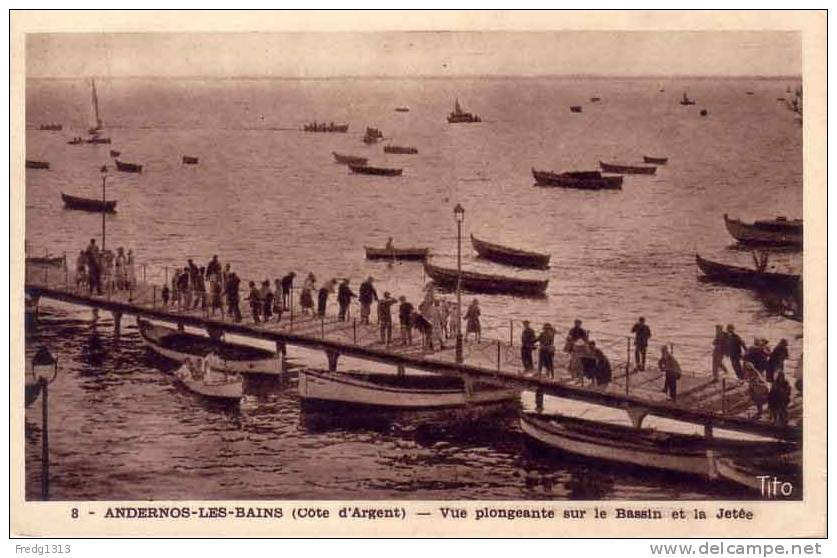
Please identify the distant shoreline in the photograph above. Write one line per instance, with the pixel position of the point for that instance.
(422, 77)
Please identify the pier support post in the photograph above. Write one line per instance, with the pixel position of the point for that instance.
(332, 357)
(401, 370)
(214, 333)
(707, 431)
(180, 326)
(511, 333)
(498, 355)
(117, 322)
(539, 400)
(282, 354)
(637, 415)
(95, 314)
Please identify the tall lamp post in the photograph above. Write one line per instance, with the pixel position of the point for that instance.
(104, 171)
(44, 372)
(459, 215)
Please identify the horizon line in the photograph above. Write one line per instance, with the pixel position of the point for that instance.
(430, 76)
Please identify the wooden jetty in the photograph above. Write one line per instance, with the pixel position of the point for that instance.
(722, 404)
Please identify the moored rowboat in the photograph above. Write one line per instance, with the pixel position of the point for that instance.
(655, 160)
(400, 150)
(190, 160)
(396, 253)
(376, 171)
(744, 277)
(751, 472)
(30, 164)
(511, 256)
(388, 391)
(626, 169)
(682, 453)
(232, 357)
(579, 180)
(203, 378)
(127, 167)
(87, 204)
(775, 232)
(349, 159)
(484, 282)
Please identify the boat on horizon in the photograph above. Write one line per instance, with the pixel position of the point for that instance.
(321, 389)
(177, 346)
(780, 231)
(375, 171)
(626, 169)
(458, 116)
(510, 256)
(114, 153)
(187, 160)
(31, 164)
(575, 108)
(51, 127)
(686, 100)
(484, 282)
(688, 454)
(402, 109)
(349, 159)
(88, 204)
(323, 127)
(396, 253)
(127, 167)
(400, 150)
(579, 180)
(744, 277)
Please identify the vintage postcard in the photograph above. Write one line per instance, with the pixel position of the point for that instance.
(535, 274)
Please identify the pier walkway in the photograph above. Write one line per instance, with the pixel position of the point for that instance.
(723, 403)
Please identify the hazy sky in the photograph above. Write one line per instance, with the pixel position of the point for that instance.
(630, 53)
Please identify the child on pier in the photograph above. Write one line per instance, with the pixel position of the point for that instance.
(255, 302)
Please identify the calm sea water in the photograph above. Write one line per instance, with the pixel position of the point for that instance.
(268, 198)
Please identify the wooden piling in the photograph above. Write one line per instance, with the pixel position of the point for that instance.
(539, 400)
(511, 333)
(354, 330)
(498, 355)
(154, 296)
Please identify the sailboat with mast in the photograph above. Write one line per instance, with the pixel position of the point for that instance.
(94, 131)
(458, 116)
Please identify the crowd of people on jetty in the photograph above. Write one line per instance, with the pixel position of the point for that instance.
(103, 271)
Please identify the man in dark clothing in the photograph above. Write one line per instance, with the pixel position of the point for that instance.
(185, 300)
(405, 313)
(671, 369)
(735, 346)
(232, 296)
(200, 290)
(527, 345)
(367, 295)
(385, 317)
(94, 267)
(778, 400)
(287, 285)
(213, 267)
(719, 351)
(576, 333)
(642, 333)
(776, 361)
(604, 372)
(344, 298)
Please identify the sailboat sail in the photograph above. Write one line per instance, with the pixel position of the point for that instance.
(96, 106)
(456, 108)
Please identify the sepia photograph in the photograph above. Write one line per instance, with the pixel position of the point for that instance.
(384, 267)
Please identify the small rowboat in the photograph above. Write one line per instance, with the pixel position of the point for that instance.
(682, 453)
(402, 109)
(323, 127)
(178, 346)
(484, 282)
(97, 140)
(575, 108)
(579, 180)
(87, 204)
(626, 169)
(36, 164)
(655, 160)
(46, 260)
(396, 253)
(75, 141)
(51, 127)
(400, 150)
(190, 160)
(127, 167)
(744, 277)
(349, 159)
(203, 378)
(686, 100)
(114, 153)
(377, 171)
(595, 99)
(774, 232)
(749, 471)
(387, 391)
(510, 256)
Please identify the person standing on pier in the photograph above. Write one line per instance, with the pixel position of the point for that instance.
(82, 277)
(405, 319)
(215, 294)
(642, 333)
(719, 351)
(776, 360)
(778, 400)
(546, 354)
(278, 300)
(322, 296)
(94, 267)
(344, 298)
(130, 269)
(385, 317)
(287, 286)
(255, 302)
(527, 345)
(121, 271)
(472, 318)
(225, 277)
(604, 372)
(576, 332)
(232, 296)
(437, 319)
(266, 296)
(165, 294)
(306, 299)
(200, 289)
(671, 368)
(367, 295)
(735, 347)
(213, 267)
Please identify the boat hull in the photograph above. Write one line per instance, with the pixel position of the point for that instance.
(337, 129)
(98, 140)
(761, 235)
(177, 346)
(417, 254)
(741, 276)
(374, 171)
(387, 391)
(626, 169)
(36, 164)
(85, 204)
(655, 160)
(510, 256)
(127, 167)
(230, 389)
(680, 453)
(578, 181)
(190, 160)
(349, 159)
(399, 150)
(485, 283)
